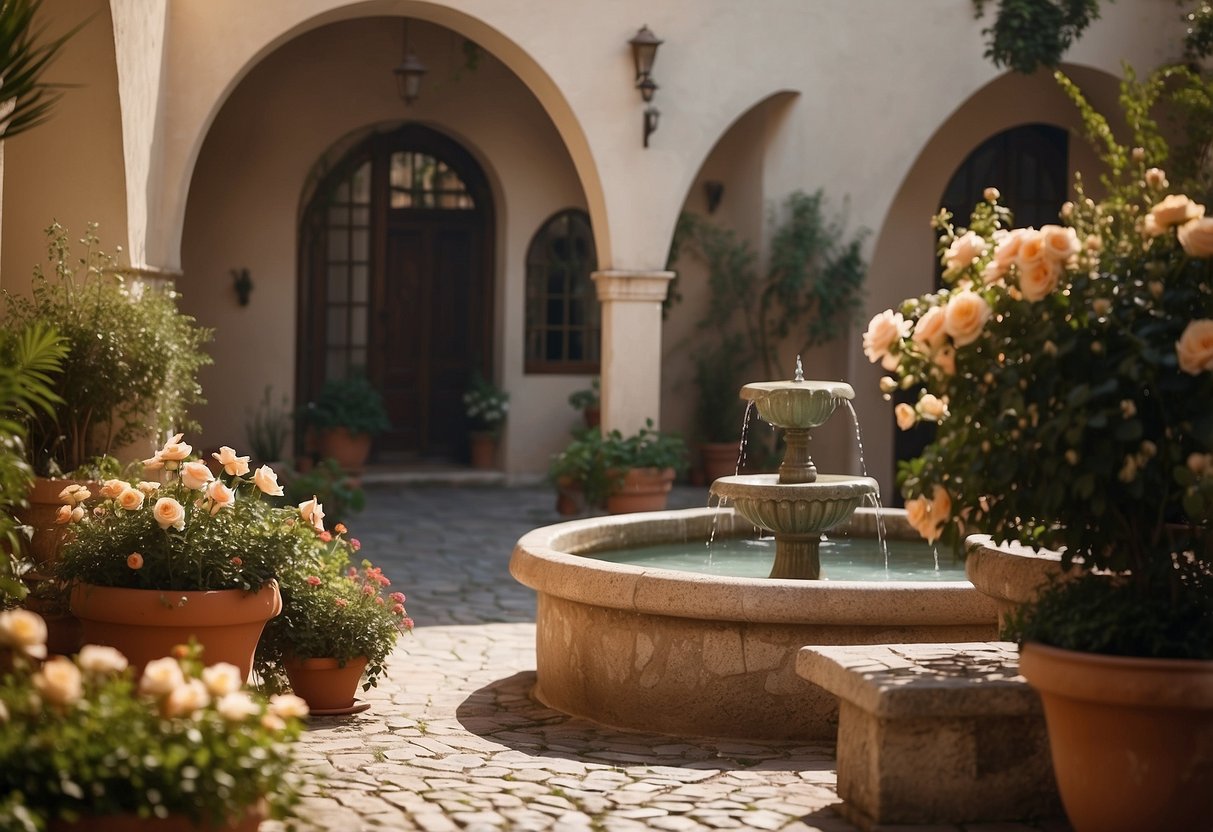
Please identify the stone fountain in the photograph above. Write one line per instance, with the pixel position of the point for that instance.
(797, 504)
(686, 653)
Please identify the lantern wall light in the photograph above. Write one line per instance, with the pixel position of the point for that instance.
(644, 52)
(410, 72)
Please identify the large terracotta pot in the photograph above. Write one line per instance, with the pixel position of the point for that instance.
(349, 449)
(719, 459)
(44, 503)
(145, 624)
(484, 450)
(1010, 573)
(1132, 739)
(325, 684)
(642, 489)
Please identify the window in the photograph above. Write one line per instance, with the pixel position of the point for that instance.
(418, 180)
(347, 274)
(562, 329)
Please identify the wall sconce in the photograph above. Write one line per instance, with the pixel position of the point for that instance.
(243, 284)
(713, 189)
(409, 73)
(644, 52)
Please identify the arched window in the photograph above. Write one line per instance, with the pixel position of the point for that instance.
(562, 329)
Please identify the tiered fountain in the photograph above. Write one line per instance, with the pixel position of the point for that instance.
(682, 652)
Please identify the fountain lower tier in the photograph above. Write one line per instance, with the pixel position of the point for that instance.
(796, 513)
(692, 654)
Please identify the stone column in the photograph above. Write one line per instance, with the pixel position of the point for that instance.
(631, 346)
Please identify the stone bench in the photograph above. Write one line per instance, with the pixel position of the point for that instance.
(935, 733)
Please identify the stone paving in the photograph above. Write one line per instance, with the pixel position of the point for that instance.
(454, 741)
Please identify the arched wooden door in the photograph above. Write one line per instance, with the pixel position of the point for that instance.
(396, 282)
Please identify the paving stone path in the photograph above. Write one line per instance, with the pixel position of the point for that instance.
(454, 741)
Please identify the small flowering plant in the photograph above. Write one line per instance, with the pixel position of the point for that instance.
(195, 530)
(335, 609)
(1068, 371)
(486, 405)
(80, 738)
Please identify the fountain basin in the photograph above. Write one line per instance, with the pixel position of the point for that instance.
(796, 404)
(794, 508)
(691, 654)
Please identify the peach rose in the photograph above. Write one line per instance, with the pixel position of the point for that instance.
(932, 408)
(148, 487)
(1007, 246)
(918, 515)
(287, 705)
(1195, 347)
(64, 515)
(195, 475)
(59, 681)
(184, 699)
(929, 331)
(237, 706)
(161, 676)
(884, 330)
(219, 496)
(131, 499)
(74, 494)
(101, 660)
(965, 317)
(945, 359)
(24, 632)
(1060, 243)
(1031, 247)
(1175, 209)
(267, 481)
(906, 417)
(222, 678)
(313, 512)
(236, 466)
(110, 489)
(941, 505)
(1038, 280)
(272, 723)
(964, 250)
(1156, 178)
(1196, 237)
(169, 512)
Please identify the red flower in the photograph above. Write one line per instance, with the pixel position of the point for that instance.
(341, 602)
(398, 597)
(379, 600)
(354, 544)
(408, 623)
(398, 609)
(326, 536)
(313, 580)
(367, 589)
(134, 560)
(236, 561)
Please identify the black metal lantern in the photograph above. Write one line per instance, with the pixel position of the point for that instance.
(644, 52)
(409, 73)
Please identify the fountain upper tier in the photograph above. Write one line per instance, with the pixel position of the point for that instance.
(796, 405)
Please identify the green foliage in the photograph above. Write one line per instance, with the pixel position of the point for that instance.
(597, 462)
(332, 609)
(588, 398)
(352, 403)
(1027, 34)
(718, 376)
(81, 740)
(226, 534)
(331, 486)
(23, 60)
(132, 359)
(1065, 370)
(486, 405)
(267, 427)
(29, 360)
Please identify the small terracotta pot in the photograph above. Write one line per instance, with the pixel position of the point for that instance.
(44, 503)
(719, 459)
(592, 415)
(642, 489)
(1131, 739)
(325, 684)
(570, 499)
(349, 449)
(484, 450)
(146, 624)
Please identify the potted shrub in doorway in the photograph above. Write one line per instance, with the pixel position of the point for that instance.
(487, 406)
(1069, 370)
(338, 625)
(348, 414)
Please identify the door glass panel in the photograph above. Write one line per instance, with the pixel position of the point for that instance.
(361, 281)
(338, 283)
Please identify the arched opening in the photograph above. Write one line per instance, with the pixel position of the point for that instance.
(396, 254)
(562, 312)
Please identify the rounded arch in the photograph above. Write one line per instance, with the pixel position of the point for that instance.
(562, 321)
(396, 279)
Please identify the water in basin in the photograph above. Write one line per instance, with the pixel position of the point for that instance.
(842, 559)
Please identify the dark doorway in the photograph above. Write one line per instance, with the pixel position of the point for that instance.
(396, 282)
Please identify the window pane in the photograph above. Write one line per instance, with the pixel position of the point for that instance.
(362, 184)
(561, 310)
(334, 363)
(358, 315)
(362, 244)
(361, 284)
(338, 283)
(338, 328)
(339, 244)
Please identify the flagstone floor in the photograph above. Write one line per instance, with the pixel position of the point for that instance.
(453, 740)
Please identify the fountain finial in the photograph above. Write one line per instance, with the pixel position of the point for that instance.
(799, 370)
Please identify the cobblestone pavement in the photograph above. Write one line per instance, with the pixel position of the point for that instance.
(453, 740)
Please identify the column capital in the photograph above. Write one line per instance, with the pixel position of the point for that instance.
(154, 275)
(637, 286)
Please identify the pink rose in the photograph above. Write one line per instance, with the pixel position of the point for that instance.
(965, 317)
(1195, 347)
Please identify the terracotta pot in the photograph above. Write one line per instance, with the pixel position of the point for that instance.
(62, 628)
(484, 450)
(40, 514)
(642, 489)
(1132, 739)
(146, 624)
(592, 415)
(719, 459)
(173, 823)
(349, 449)
(325, 684)
(570, 498)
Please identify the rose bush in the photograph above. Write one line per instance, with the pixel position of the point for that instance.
(1069, 372)
(79, 738)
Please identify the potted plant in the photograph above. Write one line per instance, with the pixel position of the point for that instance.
(348, 414)
(267, 428)
(154, 564)
(1069, 371)
(719, 411)
(588, 402)
(329, 484)
(621, 473)
(578, 473)
(486, 406)
(338, 625)
(83, 745)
